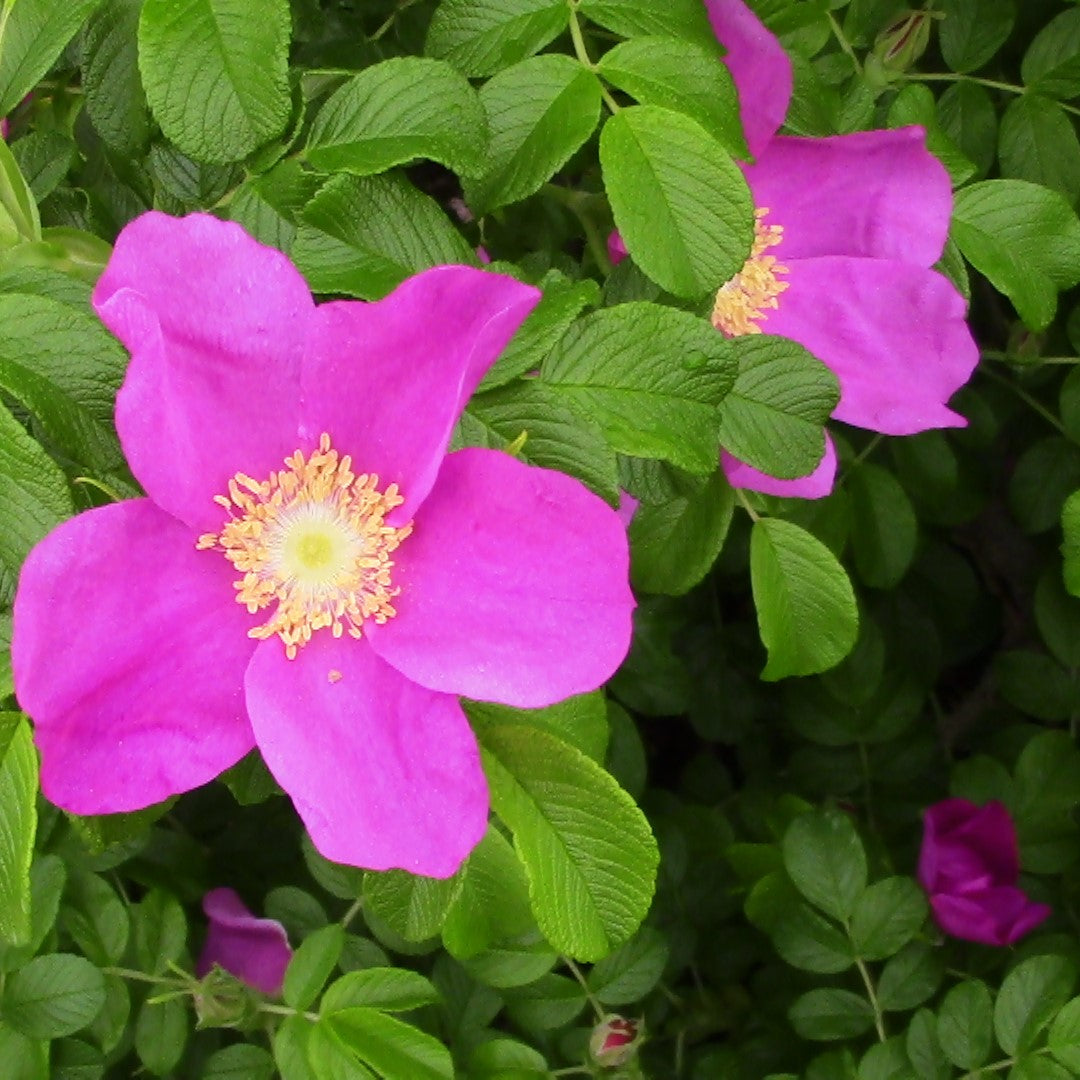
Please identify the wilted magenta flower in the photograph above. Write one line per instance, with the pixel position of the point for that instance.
(255, 950)
(614, 1041)
(969, 865)
(311, 573)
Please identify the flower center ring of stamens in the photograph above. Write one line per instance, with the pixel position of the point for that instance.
(743, 300)
(311, 540)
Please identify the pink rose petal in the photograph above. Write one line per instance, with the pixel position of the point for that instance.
(816, 485)
(129, 655)
(255, 950)
(894, 334)
(513, 585)
(878, 194)
(388, 380)
(383, 773)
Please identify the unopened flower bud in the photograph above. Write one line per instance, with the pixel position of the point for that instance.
(615, 1041)
(222, 1000)
(903, 41)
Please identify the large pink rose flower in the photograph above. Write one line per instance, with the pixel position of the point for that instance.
(311, 572)
(969, 864)
(848, 228)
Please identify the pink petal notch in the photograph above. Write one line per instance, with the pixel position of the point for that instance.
(514, 586)
(389, 379)
(216, 325)
(129, 654)
(256, 951)
(759, 66)
(969, 864)
(384, 773)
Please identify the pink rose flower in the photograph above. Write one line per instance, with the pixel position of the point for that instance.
(969, 865)
(311, 572)
(255, 950)
(847, 230)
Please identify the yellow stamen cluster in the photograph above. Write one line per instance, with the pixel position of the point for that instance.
(742, 301)
(311, 540)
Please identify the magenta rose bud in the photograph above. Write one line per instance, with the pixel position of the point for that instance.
(969, 865)
(254, 950)
(616, 248)
(615, 1041)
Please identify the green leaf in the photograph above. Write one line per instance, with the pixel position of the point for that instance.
(410, 905)
(514, 963)
(774, 417)
(493, 904)
(967, 115)
(581, 720)
(587, 848)
(18, 812)
(480, 37)
(805, 605)
(631, 972)
(556, 436)
(649, 377)
(53, 995)
(549, 1003)
(809, 941)
(507, 1059)
(671, 18)
(1037, 142)
(1070, 548)
(886, 917)
(680, 203)
(1063, 1039)
(19, 220)
(363, 235)
(825, 860)
(388, 989)
(34, 496)
(965, 1024)
(390, 1046)
(674, 543)
(539, 112)
(216, 73)
(161, 1033)
(924, 1049)
(269, 206)
(160, 931)
(115, 99)
(312, 964)
(1046, 473)
(242, 1061)
(1051, 64)
(681, 76)
(44, 158)
(23, 1058)
(884, 528)
(831, 1014)
(396, 111)
(1030, 997)
(65, 368)
(96, 918)
(911, 977)
(915, 104)
(972, 31)
(33, 33)
(561, 303)
(1024, 238)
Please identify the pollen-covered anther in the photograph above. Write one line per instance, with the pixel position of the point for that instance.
(311, 542)
(743, 300)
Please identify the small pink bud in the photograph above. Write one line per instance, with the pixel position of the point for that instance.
(615, 1041)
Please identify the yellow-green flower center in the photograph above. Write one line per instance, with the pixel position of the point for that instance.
(743, 300)
(311, 542)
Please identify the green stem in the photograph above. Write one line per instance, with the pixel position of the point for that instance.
(1027, 399)
(995, 354)
(871, 994)
(741, 496)
(843, 42)
(286, 1010)
(992, 84)
(576, 972)
(353, 911)
(581, 51)
(594, 238)
(141, 976)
